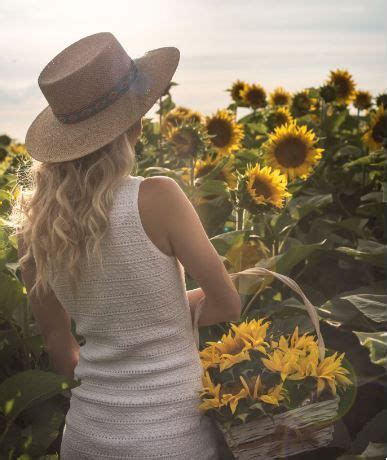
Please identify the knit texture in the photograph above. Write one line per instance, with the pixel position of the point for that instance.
(140, 369)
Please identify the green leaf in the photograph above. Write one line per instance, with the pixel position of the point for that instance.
(11, 295)
(242, 417)
(211, 187)
(363, 309)
(258, 406)
(300, 207)
(376, 342)
(224, 241)
(333, 123)
(29, 388)
(286, 261)
(214, 213)
(371, 305)
(367, 251)
(257, 128)
(349, 151)
(10, 344)
(353, 224)
(45, 421)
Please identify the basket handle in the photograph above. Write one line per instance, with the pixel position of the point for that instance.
(286, 280)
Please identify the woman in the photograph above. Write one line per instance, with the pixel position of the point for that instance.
(109, 249)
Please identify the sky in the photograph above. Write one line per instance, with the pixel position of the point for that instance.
(289, 43)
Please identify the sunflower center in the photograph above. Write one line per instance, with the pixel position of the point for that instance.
(302, 101)
(256, 98)
(342, 86)
(363, 100)
(185, 142)
(261, 188)
(222, 131)
(291, 152)
(280, 99)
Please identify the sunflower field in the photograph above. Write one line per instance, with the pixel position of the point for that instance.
(291, 182)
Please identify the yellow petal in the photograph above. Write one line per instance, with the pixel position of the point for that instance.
(320, 386)
(269, 400)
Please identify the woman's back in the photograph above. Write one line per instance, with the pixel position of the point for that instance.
(139, 368)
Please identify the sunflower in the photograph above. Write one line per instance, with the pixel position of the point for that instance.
(344, 85)
(186, 141)
(266, 186)
(285, 363)
(209, 357)
(254, 96)
(235, 91)
(381, 100)
(231, 394)
(194, 117)
(328, 93)
(280, 97)
(292, 150)
(253, 333)
(303, 343)
(275, 395)
(18, 149)
(256, 391)
(301, 104)
(179, 115)
(231, 349)
(208, 163)
(328, 373)
(377, 131)
(253, 387)
(363, 100)
(227, 134)
(280, 116)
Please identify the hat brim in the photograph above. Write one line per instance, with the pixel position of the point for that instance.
(50, 140)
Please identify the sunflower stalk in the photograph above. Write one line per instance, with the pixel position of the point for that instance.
(250, 303)
(239, 218)
(192, 171)
(282, 243)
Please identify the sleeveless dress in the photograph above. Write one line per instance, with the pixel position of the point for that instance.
(140, 369)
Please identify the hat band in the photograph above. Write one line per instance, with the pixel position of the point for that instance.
(103, 101)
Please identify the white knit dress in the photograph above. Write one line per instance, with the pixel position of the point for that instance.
(140, 370)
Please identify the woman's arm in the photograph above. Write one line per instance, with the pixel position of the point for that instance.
(210, 312)
(63, 350)
(54, 323)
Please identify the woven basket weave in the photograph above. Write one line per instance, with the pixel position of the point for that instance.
(289, 433)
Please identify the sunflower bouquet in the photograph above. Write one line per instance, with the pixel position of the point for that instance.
(260, 386)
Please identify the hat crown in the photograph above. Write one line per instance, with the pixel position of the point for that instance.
(84, 72)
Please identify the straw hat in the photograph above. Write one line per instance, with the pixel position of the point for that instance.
(95, 93)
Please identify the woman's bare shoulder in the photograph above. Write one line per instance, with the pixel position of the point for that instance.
(162, 189)
(165, 196)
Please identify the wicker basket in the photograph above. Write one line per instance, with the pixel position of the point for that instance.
(277, 436)
(299, 430)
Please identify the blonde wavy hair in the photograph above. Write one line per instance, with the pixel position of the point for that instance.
(63, 213)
